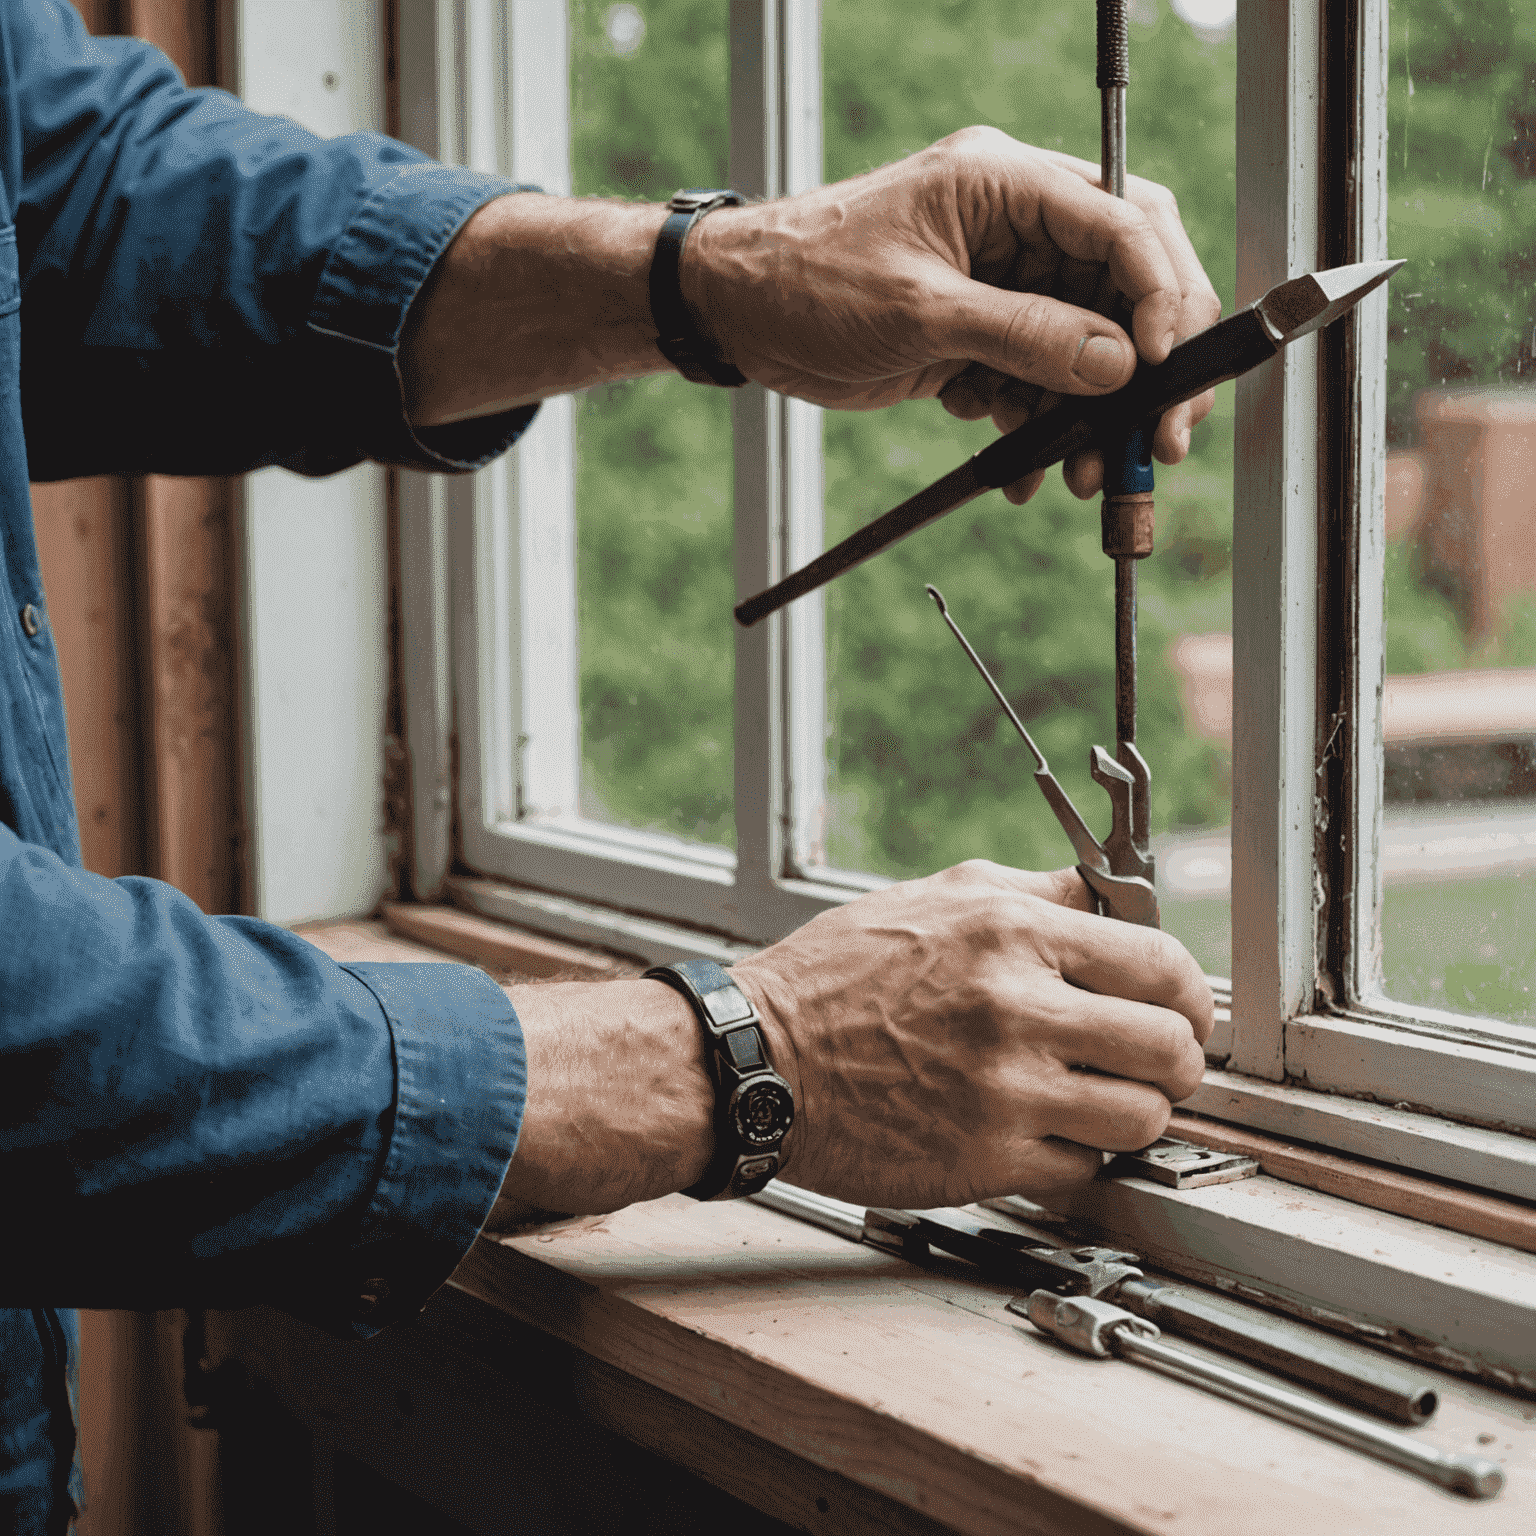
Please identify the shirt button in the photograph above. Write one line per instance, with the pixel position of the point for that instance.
(374, 1294)
(31, 620)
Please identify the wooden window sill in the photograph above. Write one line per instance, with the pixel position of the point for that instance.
(911, 1390)
(917, 1385)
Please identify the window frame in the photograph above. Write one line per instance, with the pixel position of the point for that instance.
(1309, 550)
(1307, 1020)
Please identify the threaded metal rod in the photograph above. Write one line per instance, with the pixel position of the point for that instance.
(1125, 650)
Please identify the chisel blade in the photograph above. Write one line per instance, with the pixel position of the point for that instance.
(1305, 304)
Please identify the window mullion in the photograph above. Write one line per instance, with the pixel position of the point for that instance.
(1361, 961)
(426, 50)
(757, 433)
(804, 665)
(1274, 545)
(537, 480)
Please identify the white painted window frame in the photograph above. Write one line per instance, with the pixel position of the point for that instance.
(314, 585)
(488, 562)
(489, 574)
(1285, 969)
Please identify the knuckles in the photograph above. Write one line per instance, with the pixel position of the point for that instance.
(1206, 307)
(978, 137)
(1160, 198)
(1029, 335)
(1144, 1124)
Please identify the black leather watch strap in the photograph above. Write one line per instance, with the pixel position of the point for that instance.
(754, 1106)
(679, 340)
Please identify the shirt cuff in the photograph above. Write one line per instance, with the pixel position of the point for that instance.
(460, 1085)
(373, 273)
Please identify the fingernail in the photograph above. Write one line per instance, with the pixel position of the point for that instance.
(1100, 360)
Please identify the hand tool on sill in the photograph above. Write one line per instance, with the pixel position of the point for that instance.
(1115, 870)
(1289, 311)
(1098, 1327)
(1014, 1253)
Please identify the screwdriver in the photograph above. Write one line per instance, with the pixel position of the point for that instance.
(1126, 516)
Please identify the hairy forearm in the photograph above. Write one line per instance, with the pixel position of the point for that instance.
(537, 296)
(619, 1101)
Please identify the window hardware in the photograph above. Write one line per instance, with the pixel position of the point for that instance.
(1183, 1165)
(1118, 871)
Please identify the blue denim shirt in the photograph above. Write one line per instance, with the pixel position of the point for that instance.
(200, 1110)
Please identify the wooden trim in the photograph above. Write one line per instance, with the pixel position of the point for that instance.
(184, 30)
(85, 549)
(1384, 1189)
(1274, 542)
(502, 1416)
(500, 948)
(1495, 1161)
(193, 823)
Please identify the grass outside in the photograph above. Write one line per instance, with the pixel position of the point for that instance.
(1468, 946)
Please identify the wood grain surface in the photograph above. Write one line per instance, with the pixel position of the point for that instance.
(915, 1383)
(1437, 1201)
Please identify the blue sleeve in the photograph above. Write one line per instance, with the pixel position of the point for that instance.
(206, 290)
(209, 1111)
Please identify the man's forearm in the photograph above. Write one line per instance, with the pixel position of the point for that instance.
(537, 296)
(620, 1104)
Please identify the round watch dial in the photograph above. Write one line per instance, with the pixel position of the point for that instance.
(762, 1111)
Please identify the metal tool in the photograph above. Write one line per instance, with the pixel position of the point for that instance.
(1113, 869)
(1127, 515)
(1100, 1328)
(1035, 1261)
(1232, 346)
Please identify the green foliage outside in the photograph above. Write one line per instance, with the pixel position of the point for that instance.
(921, 771)
(653, 491)
(919, 774)
(1461, 111)
(1462, 186)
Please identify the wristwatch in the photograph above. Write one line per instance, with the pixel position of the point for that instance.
(754, 1106)
(679, 340)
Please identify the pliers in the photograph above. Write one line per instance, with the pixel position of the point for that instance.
(1120, 870)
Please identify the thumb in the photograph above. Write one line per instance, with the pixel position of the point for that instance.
(1035, 338)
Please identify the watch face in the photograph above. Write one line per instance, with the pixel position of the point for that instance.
(762, 1111)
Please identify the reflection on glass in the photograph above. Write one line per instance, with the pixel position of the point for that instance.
(923, 771)
(653, 457)
(1459, 921)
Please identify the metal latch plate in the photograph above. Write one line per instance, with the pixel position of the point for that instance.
(1182, 1165)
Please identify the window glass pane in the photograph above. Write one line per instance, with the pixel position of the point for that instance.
(653, 457)
(1459, 921)
(923, 771)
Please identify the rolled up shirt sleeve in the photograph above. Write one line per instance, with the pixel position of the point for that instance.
(210, 1111)
(213, 289)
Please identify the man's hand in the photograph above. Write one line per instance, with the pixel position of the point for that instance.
(976, 271)
(974, 1033)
